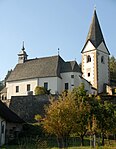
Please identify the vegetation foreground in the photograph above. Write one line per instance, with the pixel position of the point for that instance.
(28, 147)
(73, 120)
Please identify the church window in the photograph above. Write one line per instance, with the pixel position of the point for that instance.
(2, 129)
(17, 89)
(66, 86)
(46, 85)
(28, 87)
(88, 58)
(72, 76)
(2, 97)
(102, 59)
(89, 74)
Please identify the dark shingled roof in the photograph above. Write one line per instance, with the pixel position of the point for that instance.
(9, 115)
(70, 66)
(95, 34)
(42, 67)
(28, 106)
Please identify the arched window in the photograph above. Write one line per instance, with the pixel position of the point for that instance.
(102, 59)
(2, 97)
(88, 58)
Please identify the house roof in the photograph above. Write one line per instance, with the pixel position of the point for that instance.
(42, 67)
(4, 90)
(95, 33)
(9, 115)
(28, 106)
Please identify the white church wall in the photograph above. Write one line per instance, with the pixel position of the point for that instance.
(89, 47)
(11, 87)
(53, 83)
(72, 78)
(88, 67)
(87, 86)
(59, 85)
(102, 71)
(77, 79)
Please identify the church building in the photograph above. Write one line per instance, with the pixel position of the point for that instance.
(57, 75)
(95, 57)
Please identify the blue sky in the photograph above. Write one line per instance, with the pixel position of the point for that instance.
(46, 25)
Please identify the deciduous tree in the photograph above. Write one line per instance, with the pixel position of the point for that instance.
(112, 65)
(60, 118)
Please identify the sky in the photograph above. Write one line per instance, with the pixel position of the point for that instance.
(46, 25)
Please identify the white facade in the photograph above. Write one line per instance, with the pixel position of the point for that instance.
(96, 69)
(103, 67)
(72, 78)
(22, 85)
(68, 80)
(2, 131)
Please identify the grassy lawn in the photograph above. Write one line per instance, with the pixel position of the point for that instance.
(52, 144)
(18, 147)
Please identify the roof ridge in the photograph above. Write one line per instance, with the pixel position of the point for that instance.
(41, 58)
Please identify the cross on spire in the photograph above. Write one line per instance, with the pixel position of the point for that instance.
(23, 48)
(58, 51)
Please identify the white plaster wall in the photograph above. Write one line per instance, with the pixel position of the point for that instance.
(87, 86)
(2, 136)
(54, 83)
(11, 87)
(103, 74)
(89, 46)
(73, 82)
(77, 79)
(88, 67)
(59, 85)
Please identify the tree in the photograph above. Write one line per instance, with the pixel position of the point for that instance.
(83, 109)
(106, 119)
(83, 119)
(7, 75)
(79, 93)
(102, 117)
(40, 90)
(1, 85)
(60, 118)
(92, 126)
(112, 65)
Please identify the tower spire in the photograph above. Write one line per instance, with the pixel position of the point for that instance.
(95, 34)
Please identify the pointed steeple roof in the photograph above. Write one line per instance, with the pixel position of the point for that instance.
(95, 34)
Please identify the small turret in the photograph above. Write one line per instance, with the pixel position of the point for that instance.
(22, 56)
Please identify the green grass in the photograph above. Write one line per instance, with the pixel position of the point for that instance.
(17, 147)
(52, 144)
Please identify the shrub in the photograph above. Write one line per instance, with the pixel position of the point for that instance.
(40, 90)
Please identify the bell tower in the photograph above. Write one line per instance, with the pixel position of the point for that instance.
(22, 56)
(95, 57)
